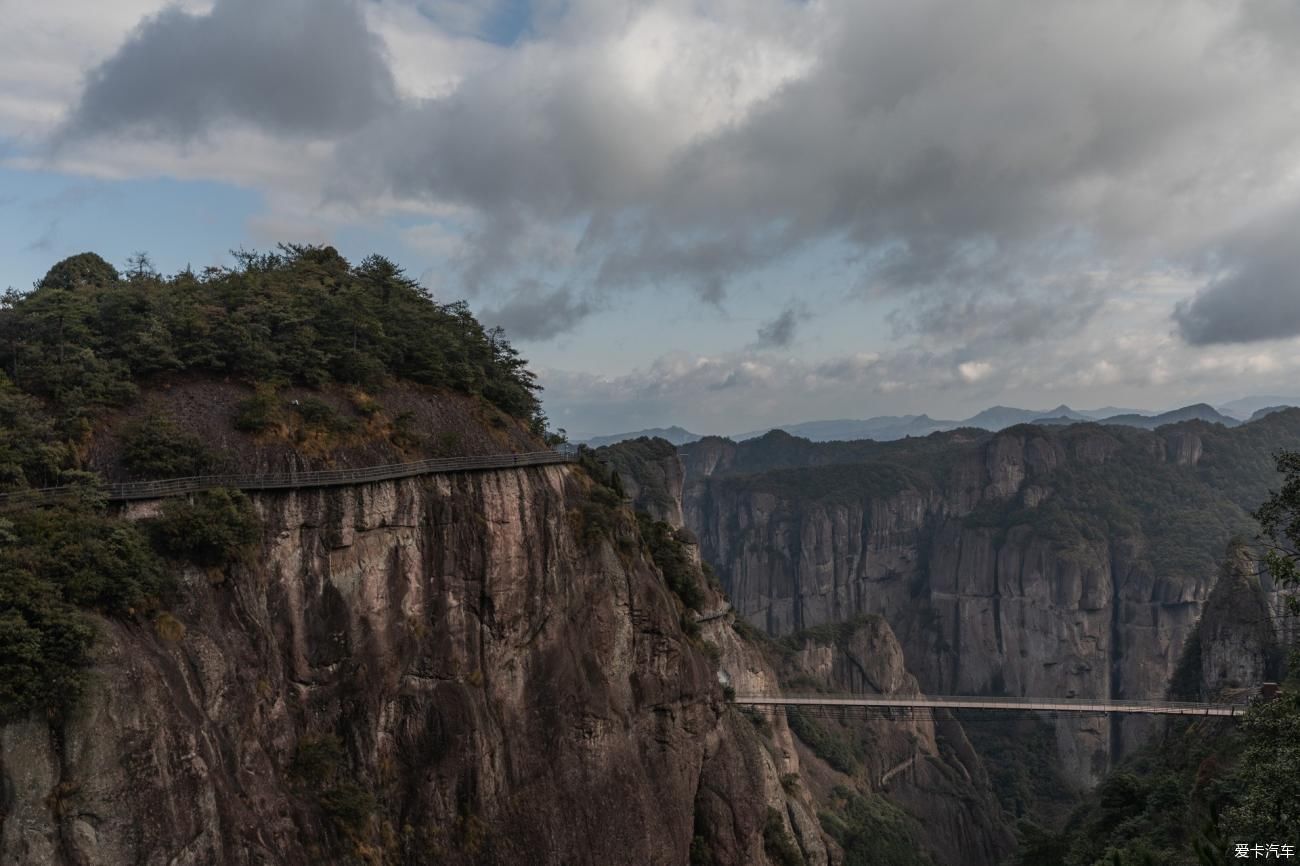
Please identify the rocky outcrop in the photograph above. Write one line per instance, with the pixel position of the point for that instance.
(1236, 639)
(428, 670)
(990, 584)
(921, 763)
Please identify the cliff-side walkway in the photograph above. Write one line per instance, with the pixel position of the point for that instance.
(134, 490)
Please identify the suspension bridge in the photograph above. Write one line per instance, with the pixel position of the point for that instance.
(930, 703)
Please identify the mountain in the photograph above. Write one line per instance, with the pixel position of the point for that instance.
(1001, 417)
(882, 429)
(676, 435)
(1063, 560)
(1245, 407)
(495, 667)
(1111, 411)
(1268, 410)
(887, 428)
(1195, 412)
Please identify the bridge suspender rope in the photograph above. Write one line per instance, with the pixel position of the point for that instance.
(296, 480)
(1159, 708)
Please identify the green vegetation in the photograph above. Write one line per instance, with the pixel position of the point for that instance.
(260, 412)
(154, 447)
(1181, 516)
(777, 844)
(1019, 755)
(840, 753)
(54, 560)
(212, 528)
(646, 460)
(80, 344)
(872, 831)
(1206, 786)
(86, 335)
(319, 770)
(670, 556)
(32, 453)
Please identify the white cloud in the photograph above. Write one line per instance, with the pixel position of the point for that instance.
(974, 371)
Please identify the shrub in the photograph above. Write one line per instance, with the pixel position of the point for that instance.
(670, 556)
(317, 759)
(318, 766)
(260, 412)
(871, 831)
(213, 528)
(55, 558)
(780, 848)
(349, 804)
(44, 644)
(316, 414)
(154, 447)
(701, 853)
(168, 627)
(832, 749)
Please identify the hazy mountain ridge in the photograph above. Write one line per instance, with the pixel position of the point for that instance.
(676, 435)
(887, 428)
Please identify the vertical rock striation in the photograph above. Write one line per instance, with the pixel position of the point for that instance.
(427, 670)
(992, 584)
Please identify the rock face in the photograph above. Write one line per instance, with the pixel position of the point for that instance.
(925, 765)
(986, 594)
(495, 690)
(1236, 638)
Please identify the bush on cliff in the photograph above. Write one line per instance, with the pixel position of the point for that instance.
(212, 528)
(54, 559)
(670, 556)
(154, 447)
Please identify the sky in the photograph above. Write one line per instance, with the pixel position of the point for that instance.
(723, 214)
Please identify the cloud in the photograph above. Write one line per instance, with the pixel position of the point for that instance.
(296, 67)
(534, 312)
(966, 158)
(974, 371)
(996, 172)
(1258, 297)
(779, 333)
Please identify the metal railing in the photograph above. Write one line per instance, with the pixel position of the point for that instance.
(1074, 705)
(136, 490)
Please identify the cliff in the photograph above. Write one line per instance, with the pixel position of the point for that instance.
(1038, 561)
(450, 669)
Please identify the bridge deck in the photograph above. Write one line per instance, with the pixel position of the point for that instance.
(1162, 708)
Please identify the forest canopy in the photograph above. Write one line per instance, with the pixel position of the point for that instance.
(86, 334)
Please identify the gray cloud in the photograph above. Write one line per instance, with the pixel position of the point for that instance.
(534, 312)
(981, 317)
(288, 66)
(964, 156)
(1258, 298)
(939, 143)
(780, 332)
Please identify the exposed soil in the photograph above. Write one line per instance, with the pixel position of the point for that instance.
(402, 422)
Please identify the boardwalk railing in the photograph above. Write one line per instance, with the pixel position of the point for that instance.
(922, 702)
(295, 480)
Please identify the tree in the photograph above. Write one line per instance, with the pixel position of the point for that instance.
(1279, 520)
(1267, 804)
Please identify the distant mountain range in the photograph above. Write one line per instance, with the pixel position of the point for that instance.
(886, 428)
(674, 434)
(1247, 407)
